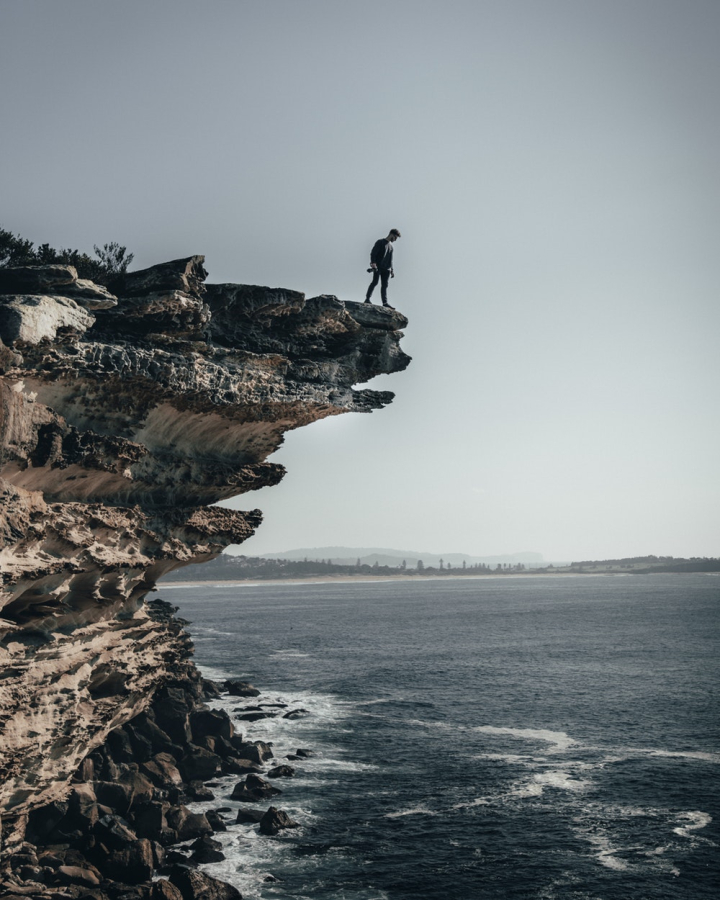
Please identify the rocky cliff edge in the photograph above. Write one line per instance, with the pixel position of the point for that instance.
(126, 411)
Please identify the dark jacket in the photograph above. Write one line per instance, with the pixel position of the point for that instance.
(382, 254)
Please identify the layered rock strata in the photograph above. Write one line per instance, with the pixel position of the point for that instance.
(125, 412)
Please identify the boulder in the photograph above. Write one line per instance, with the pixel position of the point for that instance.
(281, 772)
(206, 850)
(132, 865)
(237, 766)
(194, 885)
(217, 823)
(33, 319)
(163, 772)
(253, 715)
(187, 824)
(150, 822)
(186, 275)
(276, 820)
(164, 890)
(249, 816)
(83, 807)
(241, 689)
(303, 754)
(199, 764)
(197, 791)
(211, 722)
(253, 789)
(114, 832)
(296, 714)
(257, 752)
(78, 875)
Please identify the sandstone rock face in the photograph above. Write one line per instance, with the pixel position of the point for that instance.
(124, 413)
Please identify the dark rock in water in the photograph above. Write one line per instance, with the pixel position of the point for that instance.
(270, 879)
(296, 714)
(188, 824)
(303, 754)
(241, 689)
(254, 716)
(249, 816)
(211, 689)
(276, 820)
(217, 823)
(206, 850)
(197, 791)
(199, 886)
(258, 751)
(235, 766)
(253, 789)
(281, 772)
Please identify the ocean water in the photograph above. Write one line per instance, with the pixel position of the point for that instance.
(517, 738)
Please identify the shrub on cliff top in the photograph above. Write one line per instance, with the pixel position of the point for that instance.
(110, 259)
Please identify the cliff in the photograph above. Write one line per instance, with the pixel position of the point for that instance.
(126, 411)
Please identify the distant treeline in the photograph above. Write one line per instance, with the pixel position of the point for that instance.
(253, 568)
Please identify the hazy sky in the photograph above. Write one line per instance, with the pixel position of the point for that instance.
(553, 168)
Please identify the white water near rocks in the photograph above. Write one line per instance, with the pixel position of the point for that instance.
(501, 738)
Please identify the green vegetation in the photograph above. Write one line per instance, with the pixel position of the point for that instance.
(110, 260)
(251, 568)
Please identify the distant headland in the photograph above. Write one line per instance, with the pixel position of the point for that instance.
(291, 565)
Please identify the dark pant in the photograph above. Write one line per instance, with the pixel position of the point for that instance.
(382, 275)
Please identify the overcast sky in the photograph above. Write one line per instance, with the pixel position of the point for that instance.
(553, 168)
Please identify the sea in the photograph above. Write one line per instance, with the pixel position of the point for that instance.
(523, 738)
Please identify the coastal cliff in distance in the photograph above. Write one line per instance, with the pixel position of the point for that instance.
(126, 411)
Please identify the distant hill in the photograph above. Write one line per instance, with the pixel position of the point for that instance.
(384, 556)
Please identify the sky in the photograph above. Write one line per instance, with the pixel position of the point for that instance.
(553, 168)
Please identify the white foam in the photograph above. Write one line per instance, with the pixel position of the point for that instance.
(695, 820)
(561, 780)
(478, 801)
(413, 811)
(559, 740)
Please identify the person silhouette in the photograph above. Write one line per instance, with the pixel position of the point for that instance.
(381, 265)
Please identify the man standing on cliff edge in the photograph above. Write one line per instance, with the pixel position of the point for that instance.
(381, 265)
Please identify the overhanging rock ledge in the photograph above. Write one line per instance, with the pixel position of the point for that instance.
(126, 411)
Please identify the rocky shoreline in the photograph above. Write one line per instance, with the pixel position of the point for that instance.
(124, 831)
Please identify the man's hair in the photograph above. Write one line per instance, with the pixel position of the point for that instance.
(395, 231)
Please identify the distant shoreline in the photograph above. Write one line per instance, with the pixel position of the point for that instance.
(369, 579)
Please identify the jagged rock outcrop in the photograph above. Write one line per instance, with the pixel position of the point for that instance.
(124, 413)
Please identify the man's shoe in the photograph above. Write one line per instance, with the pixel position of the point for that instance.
(368, 300)
(387, 306)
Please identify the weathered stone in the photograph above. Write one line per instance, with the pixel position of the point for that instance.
(164, 890)
(133, 864)
(296, 714)
(281, 772)
(115, 442)
(35, 279)
(77, 875)
(199, 764)
(276, 820)
(247, 816)
(253, 789)
(196, 885)
(187, 824)
(212, 722)
(215, 820)
(241, 689)
(206, 850)
(197, 791)
(30, 319)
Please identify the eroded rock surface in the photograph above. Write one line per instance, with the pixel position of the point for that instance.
(124, 413)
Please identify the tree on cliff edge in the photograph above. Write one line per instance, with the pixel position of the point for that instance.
(111, 259)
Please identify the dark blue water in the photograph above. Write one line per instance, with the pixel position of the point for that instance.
(480, 738)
